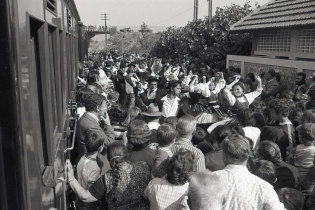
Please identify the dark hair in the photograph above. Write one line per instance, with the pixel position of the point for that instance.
(245, 117)
(259, 120)
(251, 75)
(236, 148)
(117, 113)
(239, 84)
(93, 140)
(280, 106)
(80, 96)
(97, 64)
(139, 134)
(92, 101)
(291, 198)
(166, 133)
(272, 72)
(173, 84)
(268, 150)
(180, 166)
(92, 77)
(265, 170)
(221, 132)
(278, 76)
(116, 154)
(199, 136)
(301, 74)
(172, 121)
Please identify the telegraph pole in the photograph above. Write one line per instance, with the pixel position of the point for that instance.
(195, 10)
(209, 11)
(105, 18)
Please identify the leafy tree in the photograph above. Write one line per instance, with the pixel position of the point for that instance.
(206, 43)
(131, 42)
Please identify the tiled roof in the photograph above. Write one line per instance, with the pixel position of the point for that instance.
(279, 13)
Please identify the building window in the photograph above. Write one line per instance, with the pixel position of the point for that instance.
(306, 41)
(51, 5)
(274, 41)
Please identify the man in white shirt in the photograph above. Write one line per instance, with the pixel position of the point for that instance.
(170, 102)
(235, 186)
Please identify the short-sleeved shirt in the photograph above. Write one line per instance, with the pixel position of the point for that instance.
(244, 190)
(88, 171)
(164, 195)
(304, 156)
(128, 194)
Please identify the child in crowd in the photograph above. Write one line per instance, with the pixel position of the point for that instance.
(166, 137)
(88, 169)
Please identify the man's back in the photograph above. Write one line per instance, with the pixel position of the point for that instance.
(86, 123)
(246, 191)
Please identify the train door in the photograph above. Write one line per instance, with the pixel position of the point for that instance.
(48, 121)
(12, 183)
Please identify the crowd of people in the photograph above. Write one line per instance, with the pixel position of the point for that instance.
(176, 134)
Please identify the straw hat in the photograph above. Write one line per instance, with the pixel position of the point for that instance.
(152, 111)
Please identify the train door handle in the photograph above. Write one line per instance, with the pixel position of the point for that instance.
(73, 137)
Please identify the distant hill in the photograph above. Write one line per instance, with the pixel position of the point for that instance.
(135, 29)
(153, 28)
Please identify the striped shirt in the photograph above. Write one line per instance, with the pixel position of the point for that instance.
(186, 144)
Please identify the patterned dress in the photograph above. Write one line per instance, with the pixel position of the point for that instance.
(134, 177)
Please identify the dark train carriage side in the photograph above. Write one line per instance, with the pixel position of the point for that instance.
(39, 54)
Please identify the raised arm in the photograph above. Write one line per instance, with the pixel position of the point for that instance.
(252, 95)
(219, 86)
(227, 91)
(236, 80)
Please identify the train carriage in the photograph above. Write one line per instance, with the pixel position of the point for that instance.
(40, 50)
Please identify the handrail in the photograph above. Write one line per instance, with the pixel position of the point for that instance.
(63, 181)
(73, 137)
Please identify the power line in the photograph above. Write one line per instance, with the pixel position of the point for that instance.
(178, 14)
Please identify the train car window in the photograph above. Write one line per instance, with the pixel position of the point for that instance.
(36, 36)
(51, 5)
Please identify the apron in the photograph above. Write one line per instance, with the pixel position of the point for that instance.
(240, 105)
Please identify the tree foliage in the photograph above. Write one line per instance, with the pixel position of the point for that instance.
(134, 42)
(206, 43)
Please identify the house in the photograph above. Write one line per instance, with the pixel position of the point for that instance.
(283, 39)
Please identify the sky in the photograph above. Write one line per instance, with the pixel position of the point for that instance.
(152, 12)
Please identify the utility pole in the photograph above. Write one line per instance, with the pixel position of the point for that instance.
(195, 10)
(209, 11)
(105, 18)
